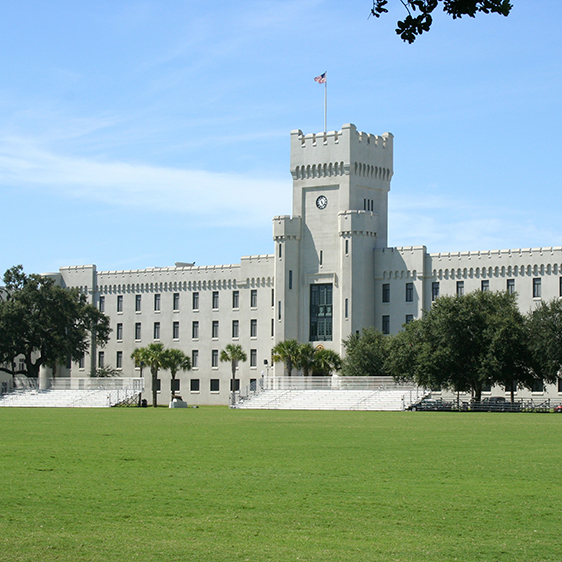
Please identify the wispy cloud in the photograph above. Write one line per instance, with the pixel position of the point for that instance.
(206, 197)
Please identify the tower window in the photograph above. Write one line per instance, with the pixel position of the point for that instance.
(321, 312)
(386, 292)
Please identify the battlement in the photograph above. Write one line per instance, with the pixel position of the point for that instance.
(336, 153)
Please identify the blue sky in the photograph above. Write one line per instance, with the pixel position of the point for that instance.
(140, 133)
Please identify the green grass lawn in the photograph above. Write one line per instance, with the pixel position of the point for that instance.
(213, 484)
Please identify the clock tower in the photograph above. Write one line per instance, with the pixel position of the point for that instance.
(324, 252)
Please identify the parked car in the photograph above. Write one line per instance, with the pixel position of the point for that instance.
(558, 409)
(430, 405)
(495, 404)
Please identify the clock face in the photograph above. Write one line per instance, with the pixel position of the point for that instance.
(322, 202)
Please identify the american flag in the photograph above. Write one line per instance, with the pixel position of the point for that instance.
(321, 79)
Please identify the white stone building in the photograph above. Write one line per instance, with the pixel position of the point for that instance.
(330, 274)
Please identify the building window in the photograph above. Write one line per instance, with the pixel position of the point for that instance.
(234, 385)
(235, 328)
(559, 384)
(215, 358)
(290, 278)
(157, 302)
(272, 298)
(119, 332)
(434, 290)
(538, 385)
(320, 312)
(119, 303)
(195, 301)
(195, 330)
(176, 301)
(386, 292)
(409, 292)
(81, 362)
(102, 304)
(511, 286)
(194, 358)
(176, 330)
(215, 329)
(280, 250)
(119, 360)
(215, 300)
(158, 385)
(194, 385)
(137, 303)
(560, 287)
(156, 330)
(321, 256)
(235, 299)
(279, 310)
(537, 288)
(347, 247)
(253, 298)
(253, 357)
(101, 359)
(175, 385)
(386, 324)
(253, 328)
(460, 288)
(215, 385)
(138, 331)
(485, 285)
(272, 327)
(409, 318)
(346, 312)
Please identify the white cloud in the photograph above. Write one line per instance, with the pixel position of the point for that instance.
(206, 197)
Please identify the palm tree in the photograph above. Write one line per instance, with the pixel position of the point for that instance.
(305, 358)
(233, 353)
(153, 356)
(176, 360)
(325, 361)
(286, 351)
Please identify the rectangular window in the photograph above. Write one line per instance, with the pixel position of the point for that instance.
(81, 362)
(280, 250)
(511, 286)
(215, 329)
(119, 360)
(537, 288)
(215, 358)
(460, 288)
(485, 285)
(253, 298)
(290, 278)
(253, 328)
(272, 327)
(434, 290)
(321, 256)
(175, 330)
(215, 385)
(560, 287)
(235, 299)
(195, 301)
(409, 318)
(253, 357)
(236, 384)
(347, 247)
(235, 329)
(175, 385)
(386, 292)
(137, 303)
(138, 331)
(176, 301)
(194, 358)
(119, 303)
(158, 385)
(156, 331)
(279, 310)
(559, 385)
(119, 332)
(386, 324)
(101, 359)
(538, 386)
(215, 300)
(157, 302)
(409, 292)
(272, 298)
(194, 385)
(346, 308)
(320, 312)
(102, 304)
(195, 330)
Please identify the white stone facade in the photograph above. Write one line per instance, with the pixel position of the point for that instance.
(330, 274)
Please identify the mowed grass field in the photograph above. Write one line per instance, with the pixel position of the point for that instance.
(213, 484)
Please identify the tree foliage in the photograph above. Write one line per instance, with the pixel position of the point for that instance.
(465, 343)
(287, 352)
(419, 18)
(175, 360)
(366, 354)
(233, 354)
(45, 323)
(311, 360)
(545, 339)
(154, 357)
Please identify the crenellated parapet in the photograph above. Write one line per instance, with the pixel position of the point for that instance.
(286, 227)
(358, 223)
(345, 152)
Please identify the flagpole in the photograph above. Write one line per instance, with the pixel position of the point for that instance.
(326, 104)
